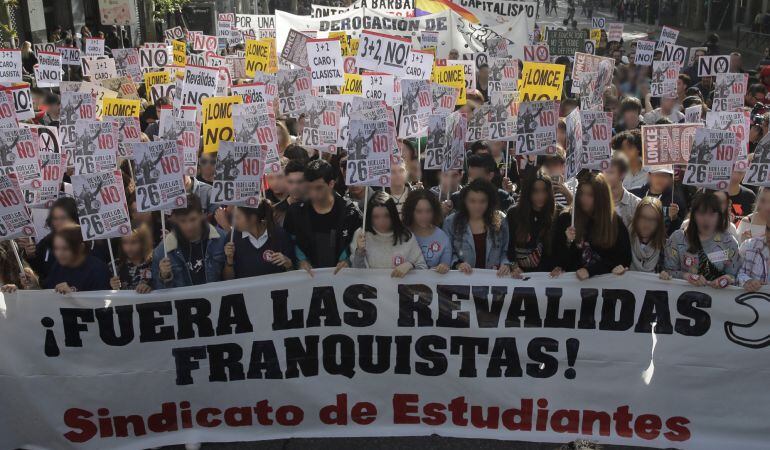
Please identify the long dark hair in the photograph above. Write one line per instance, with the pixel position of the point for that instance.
(491, 218)
(703, 202)
(263, 212)
(410, 204)
(384, 200)
(603, 221)
(523, 213)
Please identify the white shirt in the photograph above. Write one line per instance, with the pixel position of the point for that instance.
(256, 242)
(633, 181)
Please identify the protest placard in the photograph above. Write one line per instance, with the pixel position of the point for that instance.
(121, 107)
(419, 66)
(238, 177)
(444, 98)
(615, 32)
(381, 87)
(353, 85)
(293, 88)
(8, 117)
(48, 72)
(664, 145)
(664, 77)
(95, 146)
(477, 124)
(645, 51)
(692, 114)
(19, 154)
(102, 209)
(416, 106)
(574, 147)
(22, 101)
(457, 135)
(94, 46)
(369, 153)
(597, 134)
(158, 176)
(674, 53)
(257, 56)
(154, 58)
(101, 69)
(451, 76)
(383, 52)
(127, 63)
(730, 91)
(15, 221)
(218, 121)
(501, 115)
(537, 53)
(10, 65)
(536, 128)
(709, 66)
(322, 118)
(129, 131)
(199, 84)
(324, 58)
(668, 35)
(711, 159)
(295, 48)
(565, 42)
(758, 173)
(540, 81)
(591, 63)
(70, 56)
(48, 188)
(738, 123)
(435, 145)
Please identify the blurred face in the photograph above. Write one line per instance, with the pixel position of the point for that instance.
(613, 176)
(277, 183)
(414, 170)
(398, 175)
(477, 204)
(736, 62)
(647, 223)
(667, 104)
(381, 220)
(496, 148)
(724, 201)
(190, 225)
(539, 195)
(586, 199)
(659, 182)
(555, 169)
(450, 179)
(423, 214)
(707, 221)
(207, 163)
(59, 219)
(357, 191)
(63, 253)
(295, 184)
(132, 247)
(454, 54)
(478, 172)
(631, 119)
(763, 205)
(629, 149)
(318, 191)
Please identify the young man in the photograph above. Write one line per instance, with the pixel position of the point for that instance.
(625, 202)
(294, 178)
(484, 166)
(195, 250)
(630, 144)
(322, 227)
(667, 110)
(630, 114)
(52, 105)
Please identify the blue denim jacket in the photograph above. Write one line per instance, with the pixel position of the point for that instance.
(464, 250)
(214, 261)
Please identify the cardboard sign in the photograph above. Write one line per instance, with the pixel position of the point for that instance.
(456, 132)
(501, 116)
(19, 154)
(199, 84)
(159, 176)
(537, 53)
(664, 77)
(10, 65)
(565, 42)
(541, 82)
(477, 124)
(322, 117)
(15, 221)
(174, 33)
(94, 46)
(615, 32)
(70, 56)
(48, 71)
(52, 169)
(381, 87)
(251, 92)
(590, 63)
(738, 123)
(598, 22)
(712, 65)
(179, 52)
(730, 91)
(674, 53)
(121, 107)
(153, 78)
(204, 43)
(255, 124)
(95, 146)
(383, 53)
(693, 114)
(218, 121)
(101, 69)
(536, 128)
(22, 101)
(353, 85)
(645, 52)
(369, 154)
(238, 178)
(664, 145)
(597, 133)
(153, 58)
(416, 106)
(127, 63)
(667, 36)
(444, 98)
(102, 209)
(129, 132)
(324, 57)
(758, 173)
(435, 145)
(257, 57)
(452, 76)
(712, 157)
(293, 88)
(295, 48)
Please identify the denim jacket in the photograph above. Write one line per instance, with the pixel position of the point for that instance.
(463, 249)
(214, 261)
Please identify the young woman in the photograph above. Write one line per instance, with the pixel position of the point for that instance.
(75, 268)
(399, 185)
(386, 243)
(478, 231)
(598, 243)
(259, 246)
(11, 278)
(648, 236)
(422, 215)
(529, 226)
(704, 253)
(135, 266)
(755, 224)
(725, 204)
(63, 213)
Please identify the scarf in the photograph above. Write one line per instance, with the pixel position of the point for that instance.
(643, 259)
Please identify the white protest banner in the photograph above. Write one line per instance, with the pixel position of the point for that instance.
(693, 114)
(239, 170)
(10, 65)
(419, 66)
(667, 36)
(360, 353)
(70, 56)
(293, 88)
(738, 123)
(383, 53)
(664, 145)
(444, 98)
(709, 66)
(674, 53)
(101, 69)
(322, 117)
(597, 134)
(15, 221)
(381, 87)
(590, 63)
(324, 57)
(22, 101)
(730, 91)
(537, 53)
(199, 83)
(574, 148)
(369, 153)
(501, 115)
(416, 106)
(712, 157)
(94, 46)
(263, 23)
(536, 128)
(324, 11)
(102, 209)
(403, 8)
(664, 77)
(645, 51)
(758, 173)
(127, 63)
(159, 176)
(615, 32)
(19, 154)
(48, 71)
(95, 147)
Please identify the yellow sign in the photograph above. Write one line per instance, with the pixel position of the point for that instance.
(153, 78)
(121, 107)
(218, 121)
(452, 76)
(343, 37)
(180, 52)
(272, 66)
(257, 56)
(596, 35)
(353, 84)
(352, 47)
(541, 81)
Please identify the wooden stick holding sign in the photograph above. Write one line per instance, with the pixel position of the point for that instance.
(18, 258)
(112, 258)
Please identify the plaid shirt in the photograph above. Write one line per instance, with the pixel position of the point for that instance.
(755, 259)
